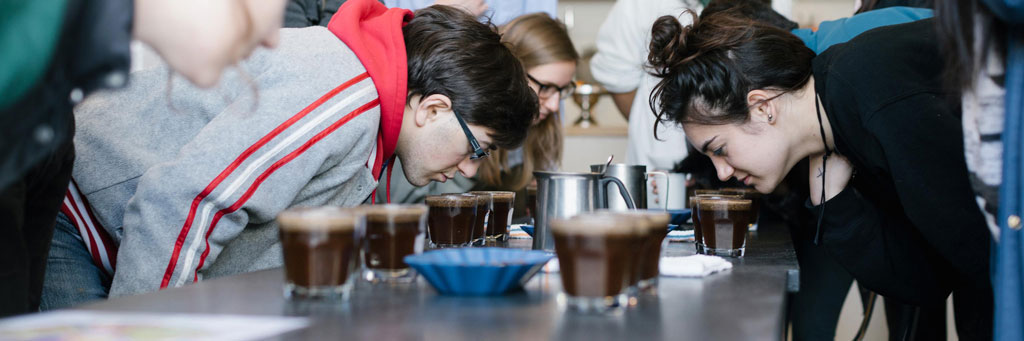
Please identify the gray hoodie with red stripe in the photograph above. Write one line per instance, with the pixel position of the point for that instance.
(190, 190)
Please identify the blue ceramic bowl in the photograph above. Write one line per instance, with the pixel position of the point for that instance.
(679, 217)
(478, 271)
(528, 229)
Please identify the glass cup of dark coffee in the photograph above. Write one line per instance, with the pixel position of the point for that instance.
(653, 228)
(755, 198)
(500, 214)
(392, 232)
(321, 251)
(650, 253)
(724, 223)
(483, 201)
(596, 255)
(451, 219)
(698, 238)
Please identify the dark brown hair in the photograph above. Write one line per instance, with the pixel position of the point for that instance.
(707, 68)
(450, 53)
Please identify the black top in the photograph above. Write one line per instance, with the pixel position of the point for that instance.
(302, 13)
(907, 226)
(92, 53)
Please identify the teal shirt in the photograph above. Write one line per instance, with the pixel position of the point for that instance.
(29, 33)
(841, 30)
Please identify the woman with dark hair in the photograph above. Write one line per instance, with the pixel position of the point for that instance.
(757, 101)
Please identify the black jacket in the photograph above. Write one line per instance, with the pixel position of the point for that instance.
(92, 53)
(907, 226)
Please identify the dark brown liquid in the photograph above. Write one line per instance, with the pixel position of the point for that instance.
(479, 220)
(450, 225)
(651, 253)
(637, 245)
(595, 265)
(497, 224)
(695, 215)
(755, 201)
(318, 258)
(737, 219)
(386, 246)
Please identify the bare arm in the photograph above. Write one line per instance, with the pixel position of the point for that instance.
(624, 101)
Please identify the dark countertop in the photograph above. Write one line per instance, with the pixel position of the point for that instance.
(747, 302)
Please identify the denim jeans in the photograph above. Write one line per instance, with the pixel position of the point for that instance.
(71, 276)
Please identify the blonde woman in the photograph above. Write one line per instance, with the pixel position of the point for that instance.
(543, 46)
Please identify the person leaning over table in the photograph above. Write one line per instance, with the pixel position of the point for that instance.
(824, 282)
(906, 225)
(190, 190)
(58, 52)
(543, 46)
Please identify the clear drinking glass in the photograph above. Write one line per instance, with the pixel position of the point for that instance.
(500, 214)
(451, 219)
(724, 223)
(596, 255)
(321, 251)
(392, 232)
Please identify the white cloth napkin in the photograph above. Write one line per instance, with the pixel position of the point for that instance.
(678, 235)
(693, 266)
(516, 232)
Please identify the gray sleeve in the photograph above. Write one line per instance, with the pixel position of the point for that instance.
(243, 167)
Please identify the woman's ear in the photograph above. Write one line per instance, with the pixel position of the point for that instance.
(431, 108)
(761, 107)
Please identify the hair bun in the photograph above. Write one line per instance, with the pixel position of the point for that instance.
(668, 41)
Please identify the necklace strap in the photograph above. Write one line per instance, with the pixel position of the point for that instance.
(824, 159)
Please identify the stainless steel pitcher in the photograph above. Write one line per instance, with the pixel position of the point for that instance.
(565, 194)
(634, 178)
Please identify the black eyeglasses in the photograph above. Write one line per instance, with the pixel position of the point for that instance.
(547, 90)
(478, 153)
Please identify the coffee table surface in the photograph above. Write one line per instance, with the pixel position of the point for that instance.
(745, 303)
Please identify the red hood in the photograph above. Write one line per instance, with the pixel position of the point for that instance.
(374, 33)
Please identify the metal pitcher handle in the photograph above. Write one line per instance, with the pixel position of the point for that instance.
(622, 191)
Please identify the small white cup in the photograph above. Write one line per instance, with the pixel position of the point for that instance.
(671, 190)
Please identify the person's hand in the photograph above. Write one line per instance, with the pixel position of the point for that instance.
(837, 175)
(474, 7)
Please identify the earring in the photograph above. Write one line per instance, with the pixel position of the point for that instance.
(769, 118)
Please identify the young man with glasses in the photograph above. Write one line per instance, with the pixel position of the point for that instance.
(186, 184)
